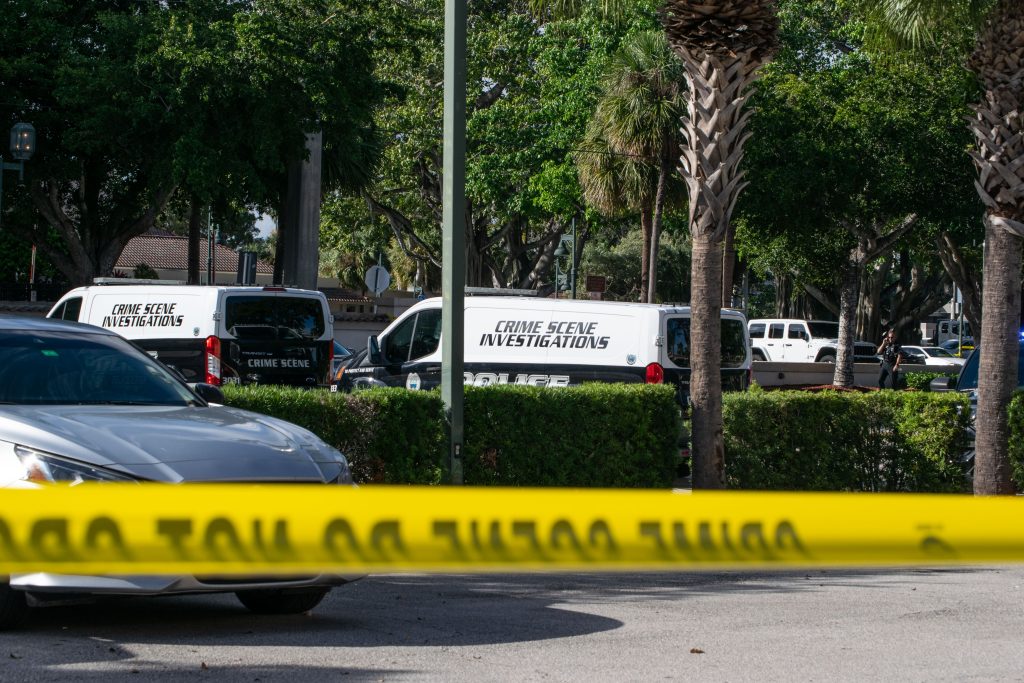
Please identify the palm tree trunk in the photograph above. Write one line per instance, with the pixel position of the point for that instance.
(705, 363)
(997, 371)
(646, 227)
(848, 295)
(659, 211)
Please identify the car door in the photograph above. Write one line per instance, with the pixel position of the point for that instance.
(797, 342)
(410, 352)
(775, 343)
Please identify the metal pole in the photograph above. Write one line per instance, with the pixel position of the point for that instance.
(453, 272)
(209, 245)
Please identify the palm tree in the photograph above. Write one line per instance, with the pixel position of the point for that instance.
(723, 44)
(638, 114)
(998, 127)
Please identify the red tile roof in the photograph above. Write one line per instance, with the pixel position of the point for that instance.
(170, 252)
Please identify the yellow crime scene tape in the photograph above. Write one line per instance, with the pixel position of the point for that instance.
(266, 529)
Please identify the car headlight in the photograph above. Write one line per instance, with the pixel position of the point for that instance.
(23, 464)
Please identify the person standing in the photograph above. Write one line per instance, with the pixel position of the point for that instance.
(892, 355)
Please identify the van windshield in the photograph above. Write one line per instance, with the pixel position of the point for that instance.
(274, 318)
(734, 342)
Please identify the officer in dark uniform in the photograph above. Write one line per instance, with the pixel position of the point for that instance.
(892, 355)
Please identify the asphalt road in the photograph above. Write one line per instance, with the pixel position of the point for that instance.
(920, 625)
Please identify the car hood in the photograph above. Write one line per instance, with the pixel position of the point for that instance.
(174, 444)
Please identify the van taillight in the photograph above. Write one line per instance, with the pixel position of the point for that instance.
(213, 360)
(655, 374)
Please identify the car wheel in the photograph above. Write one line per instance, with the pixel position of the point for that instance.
(827, 358)
(13, 607)
(282, 601)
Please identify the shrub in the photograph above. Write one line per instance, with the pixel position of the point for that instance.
(390, 436)
(845, 441)
(610, 435)
(921, 380)
(1017, 438)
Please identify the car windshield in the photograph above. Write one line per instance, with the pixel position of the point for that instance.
(340, 351)
(969, 375)
(824, 330)
(937, 351)
(49, 368)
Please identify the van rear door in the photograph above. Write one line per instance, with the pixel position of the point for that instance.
(275, 338)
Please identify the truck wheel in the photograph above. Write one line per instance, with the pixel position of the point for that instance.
(13, 607)
(827, 358)
(282, 601)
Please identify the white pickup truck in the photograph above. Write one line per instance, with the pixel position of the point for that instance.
(801, 341)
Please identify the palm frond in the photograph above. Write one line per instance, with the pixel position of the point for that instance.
(916, 24)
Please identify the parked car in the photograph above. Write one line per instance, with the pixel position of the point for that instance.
(801, 341)
(957, 349)
(80, 403)
(930, 355)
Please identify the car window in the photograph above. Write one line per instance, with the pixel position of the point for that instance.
(427, 333)
(796, 332)
(395, 347)
(274, 317)
(757, 330)
(73, 368)
(824, 330)
(775, 331)
(734, 342)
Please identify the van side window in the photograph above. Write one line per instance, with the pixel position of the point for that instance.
(427, 334)
(395, 348)
(70, 309)
(757, 330)
(775, 331)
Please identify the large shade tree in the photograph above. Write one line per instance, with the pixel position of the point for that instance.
(998, 127)
(723, 44)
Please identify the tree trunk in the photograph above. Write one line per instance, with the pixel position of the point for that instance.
(705, 363)
(659, 210)
(997, 371)
(646, 226)
(195, 224)
(848, 294)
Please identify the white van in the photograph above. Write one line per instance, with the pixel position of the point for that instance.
(215, 334)
(547, 342)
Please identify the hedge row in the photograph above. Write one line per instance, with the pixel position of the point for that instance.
(390, 436)
(595, 435)
(921, 380)
(844, 441)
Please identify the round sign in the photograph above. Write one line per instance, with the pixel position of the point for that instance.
(377, 279)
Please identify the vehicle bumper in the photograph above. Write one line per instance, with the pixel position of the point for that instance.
(165, 585)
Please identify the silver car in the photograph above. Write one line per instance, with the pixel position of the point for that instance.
(79, 403)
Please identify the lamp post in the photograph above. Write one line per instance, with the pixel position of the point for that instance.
(23, 146)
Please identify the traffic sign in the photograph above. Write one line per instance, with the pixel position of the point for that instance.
(377, 279)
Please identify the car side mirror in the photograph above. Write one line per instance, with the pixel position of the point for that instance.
(208, 392)
(942, 384)
(373, 349)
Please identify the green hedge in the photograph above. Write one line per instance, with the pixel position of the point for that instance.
(845, 441)
(921, 380)
(593, 435)
(1017, 438)
(610, 435)
(390, 436)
